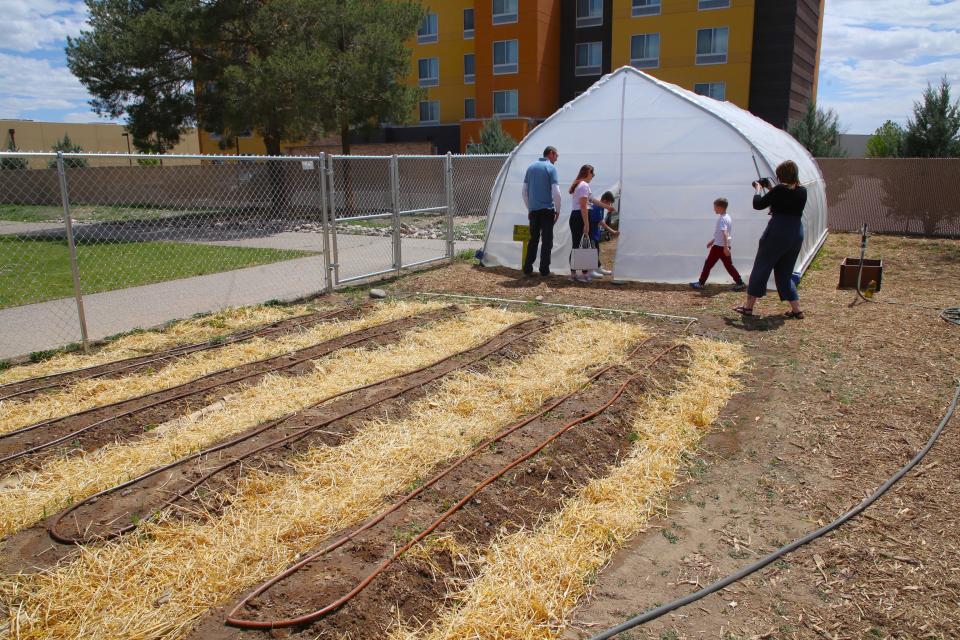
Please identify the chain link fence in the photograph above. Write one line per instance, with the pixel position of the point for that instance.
(96, 244)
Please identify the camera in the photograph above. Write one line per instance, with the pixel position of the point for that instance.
(764, 182)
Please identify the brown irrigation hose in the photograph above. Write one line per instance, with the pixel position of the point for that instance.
(231, 618)
(175, 352)
(302, 433)
(430, 317)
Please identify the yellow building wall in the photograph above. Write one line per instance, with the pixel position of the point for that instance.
(677, 25)
(450, 48)
(33, 135)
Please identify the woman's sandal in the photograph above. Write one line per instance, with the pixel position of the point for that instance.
(796, 315)
(744, 311)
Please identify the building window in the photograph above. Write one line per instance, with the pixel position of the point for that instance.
(713, 4)
(506, 56)
(715, 90)
(589, 13)
(504, 11)
(469, 108)
(645, 50)
(428, 30)
(468, 24)
(429, 111)
(646, 8)
(429, 71)
(712, 45)
(469, 68)
(589, 59)
(506, 103)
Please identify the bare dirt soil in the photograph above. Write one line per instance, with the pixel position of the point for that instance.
(834, 404)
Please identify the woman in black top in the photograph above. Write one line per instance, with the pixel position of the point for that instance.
(781, 241)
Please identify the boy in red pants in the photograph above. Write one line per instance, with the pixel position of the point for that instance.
(720, 248)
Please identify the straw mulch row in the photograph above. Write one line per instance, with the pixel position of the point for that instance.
(31, 495)
(413, 586)
(528, 582)
(177, 333)
(257, 449)
(157, 583)
(135, 417)
(86, 394)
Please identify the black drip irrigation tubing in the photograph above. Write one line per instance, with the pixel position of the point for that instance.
(175, 352)
(951, 315)
(389, 328)
(297, 435)
(233, 620)
(796, 544)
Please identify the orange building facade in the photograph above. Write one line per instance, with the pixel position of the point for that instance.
(521, 60)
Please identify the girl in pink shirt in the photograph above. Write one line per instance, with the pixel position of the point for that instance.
(580, 215)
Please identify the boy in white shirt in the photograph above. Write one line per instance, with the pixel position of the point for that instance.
(720, 248)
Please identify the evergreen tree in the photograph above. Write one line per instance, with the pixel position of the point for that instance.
(493, 139)
(819, 132)
(287, 69)
(934, 130)
(66, 145)
(886, 141)
(12, 163)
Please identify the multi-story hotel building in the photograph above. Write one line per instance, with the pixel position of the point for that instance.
(520, 60)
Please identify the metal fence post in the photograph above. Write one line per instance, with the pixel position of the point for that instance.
(332, 198)
(395, 189)
(72, 249)
(325, 223)
(448, 180)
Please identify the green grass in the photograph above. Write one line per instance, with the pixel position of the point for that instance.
(37, 270)
(54, 213)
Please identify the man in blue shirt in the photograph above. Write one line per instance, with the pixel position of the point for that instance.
(541, 195)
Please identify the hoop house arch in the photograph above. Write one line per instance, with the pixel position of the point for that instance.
(669, 153)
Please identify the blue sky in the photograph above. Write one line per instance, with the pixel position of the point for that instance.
(877, 57)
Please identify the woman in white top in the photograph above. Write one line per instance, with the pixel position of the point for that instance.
(580, 215)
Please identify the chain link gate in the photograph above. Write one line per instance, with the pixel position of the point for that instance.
(96, 244)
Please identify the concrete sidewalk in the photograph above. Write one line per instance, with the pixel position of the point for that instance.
(54, 323)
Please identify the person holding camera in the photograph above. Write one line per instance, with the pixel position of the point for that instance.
(782, 240)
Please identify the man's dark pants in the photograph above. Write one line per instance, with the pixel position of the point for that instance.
(541, 226)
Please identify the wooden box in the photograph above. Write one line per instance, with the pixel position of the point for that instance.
(872, 270)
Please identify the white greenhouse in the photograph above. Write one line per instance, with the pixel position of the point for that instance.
(671, 153)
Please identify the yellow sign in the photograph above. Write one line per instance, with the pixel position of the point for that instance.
(521, 233)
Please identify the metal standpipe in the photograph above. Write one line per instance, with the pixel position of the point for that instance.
(332, 200)
(325, 223)
(395, 190)
(448, 183)
(72, 249)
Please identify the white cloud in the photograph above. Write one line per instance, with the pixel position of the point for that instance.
(28, 84)
(879, 55)
(31, 25)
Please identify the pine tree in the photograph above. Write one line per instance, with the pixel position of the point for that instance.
(886, 141)
(933, 130)
(66, 145)
(493, 139)
(12, 163)
(819, 132)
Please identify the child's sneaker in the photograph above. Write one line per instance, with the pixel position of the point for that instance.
(696, 285)
(605, 272)
(739, 286)
(584, 278)
(598, 273)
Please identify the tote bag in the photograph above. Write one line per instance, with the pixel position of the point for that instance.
(585, 256)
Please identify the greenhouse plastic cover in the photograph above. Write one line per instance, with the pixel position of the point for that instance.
(670, 153)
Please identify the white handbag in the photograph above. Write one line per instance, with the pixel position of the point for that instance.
(585, 257)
